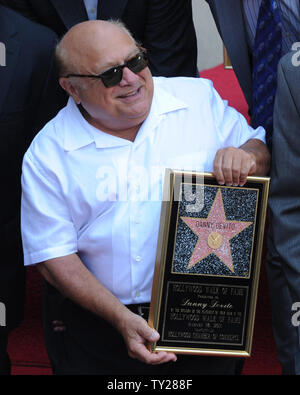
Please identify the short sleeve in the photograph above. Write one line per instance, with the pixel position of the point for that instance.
(233, 128)
(47, 228)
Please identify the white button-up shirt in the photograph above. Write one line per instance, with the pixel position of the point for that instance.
(98, 195)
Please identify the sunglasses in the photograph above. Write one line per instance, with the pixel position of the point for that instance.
(113, 76)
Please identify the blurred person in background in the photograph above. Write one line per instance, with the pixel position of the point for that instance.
(165, 27)
(283, 259)
(29, 97)
(256, 34)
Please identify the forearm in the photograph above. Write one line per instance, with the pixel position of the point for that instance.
(76, 282)
(259, 151)
(69, 275)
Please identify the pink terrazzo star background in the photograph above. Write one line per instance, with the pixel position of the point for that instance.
(218, 228)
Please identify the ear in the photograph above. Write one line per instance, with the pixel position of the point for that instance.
(67, 85)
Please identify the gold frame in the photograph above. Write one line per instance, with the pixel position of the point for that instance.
(159, 281)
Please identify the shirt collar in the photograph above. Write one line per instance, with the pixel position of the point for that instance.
(78, 132)
(164, 101)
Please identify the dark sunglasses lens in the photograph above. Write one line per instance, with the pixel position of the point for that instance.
(138, 63)
(112, 77)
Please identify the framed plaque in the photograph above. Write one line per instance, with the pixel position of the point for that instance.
(207, 265)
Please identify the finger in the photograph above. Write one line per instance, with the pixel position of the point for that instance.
(149, 334)
(236, 169)
(247, 168)
(244, 173)
(227, 163)
(156, 358)
(139, 351)
(217, 167)
(164, 357)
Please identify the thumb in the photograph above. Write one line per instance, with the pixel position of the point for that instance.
(149, 334)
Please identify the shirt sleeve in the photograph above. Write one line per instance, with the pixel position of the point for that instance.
(46, 225)
(232, 127)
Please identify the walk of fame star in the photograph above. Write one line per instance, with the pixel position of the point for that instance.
(214, 234)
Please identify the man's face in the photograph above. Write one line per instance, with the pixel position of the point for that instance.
(125, 105)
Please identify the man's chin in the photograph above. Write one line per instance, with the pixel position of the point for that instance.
(140, 111)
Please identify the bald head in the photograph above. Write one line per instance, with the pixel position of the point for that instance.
(84, 43)
(93, 48)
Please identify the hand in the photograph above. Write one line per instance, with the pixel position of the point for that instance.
(136, 333)
(233, 165)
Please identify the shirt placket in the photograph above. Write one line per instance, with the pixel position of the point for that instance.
(136, 255)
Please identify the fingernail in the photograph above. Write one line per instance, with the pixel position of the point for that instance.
(153, 336)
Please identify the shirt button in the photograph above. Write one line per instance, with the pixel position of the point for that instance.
(137, 294)
(138, 258)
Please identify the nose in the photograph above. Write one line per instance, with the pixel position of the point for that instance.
(128, 77)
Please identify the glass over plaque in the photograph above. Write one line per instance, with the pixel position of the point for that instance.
(208, 264)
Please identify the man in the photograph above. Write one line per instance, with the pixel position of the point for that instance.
(165, 27)
(278, 29)
(284, 233)
(167, 31)
(29, 97)
(88, 218)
